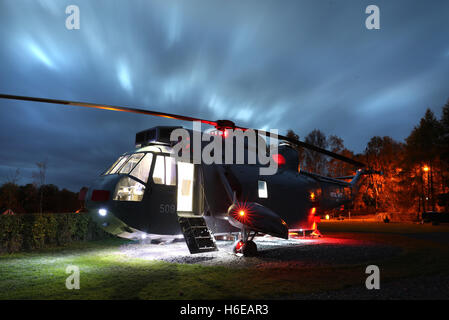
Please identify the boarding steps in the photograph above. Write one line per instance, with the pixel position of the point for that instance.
(197, 234)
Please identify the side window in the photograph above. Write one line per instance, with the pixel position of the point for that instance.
(165, 171)
(159, 170)
(142, 170)
(263, 190)
(170, 171)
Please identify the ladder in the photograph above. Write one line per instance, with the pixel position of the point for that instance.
(197, 235)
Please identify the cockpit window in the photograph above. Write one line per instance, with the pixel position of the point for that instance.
(138, 165)
(129, 190)
(142, 170)
(118, 165)
(113, 165)
(132, 161)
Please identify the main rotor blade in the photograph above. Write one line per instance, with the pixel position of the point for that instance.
(314, 148)
(107, 107)
(217, 124)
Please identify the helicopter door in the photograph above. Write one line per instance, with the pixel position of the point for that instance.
(186, 174)
(190, 202)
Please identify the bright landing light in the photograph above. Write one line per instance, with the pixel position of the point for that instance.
(102, 212)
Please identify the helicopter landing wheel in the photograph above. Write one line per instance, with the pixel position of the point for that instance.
(246, 245)
(247, 248)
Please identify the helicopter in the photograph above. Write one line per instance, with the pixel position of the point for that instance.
(149, 193)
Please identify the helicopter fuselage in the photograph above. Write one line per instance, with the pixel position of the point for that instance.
(146, 192)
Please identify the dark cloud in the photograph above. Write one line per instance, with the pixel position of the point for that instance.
(264, 64)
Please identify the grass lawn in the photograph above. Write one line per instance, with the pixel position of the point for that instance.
(107, 274)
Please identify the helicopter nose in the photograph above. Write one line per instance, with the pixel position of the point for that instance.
(101, 190)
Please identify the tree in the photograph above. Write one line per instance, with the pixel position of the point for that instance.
(29, 198)
(291, 134)
(315, 161)
(444, 123)
(9, 191)
(13, 177)
(423, 144)
(444, 147)
(423, 151)
(383, 154)
(338, 168)
(51, 202)
(8, 197)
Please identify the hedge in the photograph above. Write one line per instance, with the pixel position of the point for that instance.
(34, 231)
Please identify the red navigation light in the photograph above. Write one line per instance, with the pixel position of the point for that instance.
(313, 210)
(224, 133)
(242, 212)
(279, 159)
(239, 245)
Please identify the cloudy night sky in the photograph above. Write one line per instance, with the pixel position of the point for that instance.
(266, 64)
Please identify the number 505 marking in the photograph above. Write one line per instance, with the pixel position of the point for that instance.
(167, 208)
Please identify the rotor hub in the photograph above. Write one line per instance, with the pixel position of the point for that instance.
(224, 124)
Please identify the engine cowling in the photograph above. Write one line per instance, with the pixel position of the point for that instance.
(256, 217)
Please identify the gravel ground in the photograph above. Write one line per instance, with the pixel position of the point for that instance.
(272, 253)
(435, 287)
(292, 253)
